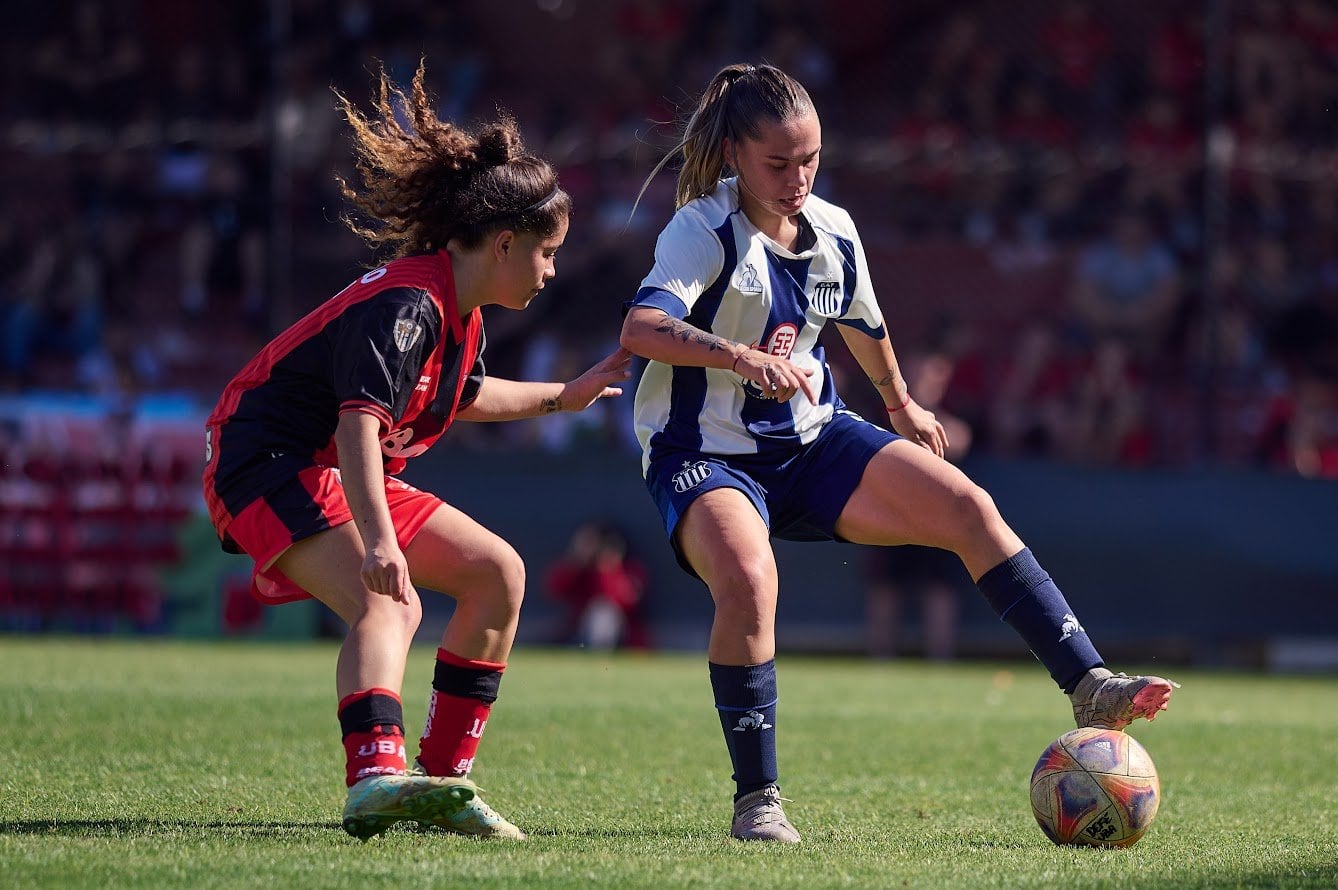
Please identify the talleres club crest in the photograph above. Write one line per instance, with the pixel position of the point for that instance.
(694, 473)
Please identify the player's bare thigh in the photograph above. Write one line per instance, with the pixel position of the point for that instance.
(453, 553)
(909, 496)
(728, 544)
(328, 565)
(726, 541)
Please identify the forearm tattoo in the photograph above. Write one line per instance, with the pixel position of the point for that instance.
(550, 405)
(686, 333)
(890, 378)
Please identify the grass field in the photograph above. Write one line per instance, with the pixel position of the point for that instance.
(156, 764)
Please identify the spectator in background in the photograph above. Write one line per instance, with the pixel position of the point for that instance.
(1300, 429)
(223, 244)
(929, 144)
(1126, 286)
(601, 589)
(936, 577)
(1030, 413)
(1107, 423)
(1078, 46)
(1271, 283)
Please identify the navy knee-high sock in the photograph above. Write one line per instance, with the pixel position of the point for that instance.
(1026, 598)
(745, 698)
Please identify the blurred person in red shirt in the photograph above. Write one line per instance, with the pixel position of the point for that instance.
(601, 588)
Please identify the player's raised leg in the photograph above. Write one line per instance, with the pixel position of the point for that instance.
(727, 544)
(368, 678)
(910, 496)
(485, 575)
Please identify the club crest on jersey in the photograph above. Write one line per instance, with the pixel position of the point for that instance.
(694, 473)
(748, 282)
(407, 332)
(826, 299)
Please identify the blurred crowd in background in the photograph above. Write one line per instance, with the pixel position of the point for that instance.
(1101, 233)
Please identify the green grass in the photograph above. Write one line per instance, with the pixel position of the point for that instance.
(155, 764)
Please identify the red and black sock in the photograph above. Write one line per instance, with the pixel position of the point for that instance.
(372, 722)
(463, 691)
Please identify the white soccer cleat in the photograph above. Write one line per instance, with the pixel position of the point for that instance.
(758, 817)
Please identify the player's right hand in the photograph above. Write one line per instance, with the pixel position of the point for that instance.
(778, 378)
(386, 571)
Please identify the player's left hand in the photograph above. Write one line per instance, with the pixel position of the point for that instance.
(920, 426)
(598, 382)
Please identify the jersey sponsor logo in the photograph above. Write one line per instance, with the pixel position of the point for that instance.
(753, 720)
(407, 332)
(781, 341)
(748, 282)
(826, 299)
(423, 383)
(694, 473)
(397, 445)
(1070, 626)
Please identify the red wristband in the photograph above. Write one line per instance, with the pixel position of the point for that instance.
(891, 410)
(734, 368)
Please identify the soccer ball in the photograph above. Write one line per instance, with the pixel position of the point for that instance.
(1095, 787)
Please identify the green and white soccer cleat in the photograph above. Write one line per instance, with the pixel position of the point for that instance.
(378, 802)
(475, 818)
(758, 817)
(1112, 701)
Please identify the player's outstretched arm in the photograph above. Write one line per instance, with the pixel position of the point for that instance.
(501, 399)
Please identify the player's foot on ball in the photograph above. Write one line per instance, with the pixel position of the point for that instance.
(1112, 701)
(378, 802)
(758, 817)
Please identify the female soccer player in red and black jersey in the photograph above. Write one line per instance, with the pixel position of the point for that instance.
(304, 445)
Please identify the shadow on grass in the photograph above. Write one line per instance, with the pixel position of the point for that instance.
(155, 827)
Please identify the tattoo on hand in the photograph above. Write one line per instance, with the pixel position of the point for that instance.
(688, 334)
(550, 406)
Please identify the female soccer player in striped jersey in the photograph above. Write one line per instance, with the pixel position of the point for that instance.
(306, 440)
(744, 436)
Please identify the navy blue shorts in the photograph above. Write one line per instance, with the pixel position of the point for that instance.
(799, 493)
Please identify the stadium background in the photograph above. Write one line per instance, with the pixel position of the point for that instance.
(169, 203)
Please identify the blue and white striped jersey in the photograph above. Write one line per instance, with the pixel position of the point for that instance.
(716, 271)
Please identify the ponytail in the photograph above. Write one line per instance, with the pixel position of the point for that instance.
(733, 106)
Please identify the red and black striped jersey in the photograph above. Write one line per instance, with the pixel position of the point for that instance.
(392, 344)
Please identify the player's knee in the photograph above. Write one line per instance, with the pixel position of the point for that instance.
(511, 576)
(746, 588)
(499, 576)
(972, 513)
(385, 612)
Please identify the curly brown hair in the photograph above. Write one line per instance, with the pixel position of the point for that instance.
(434, 182)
